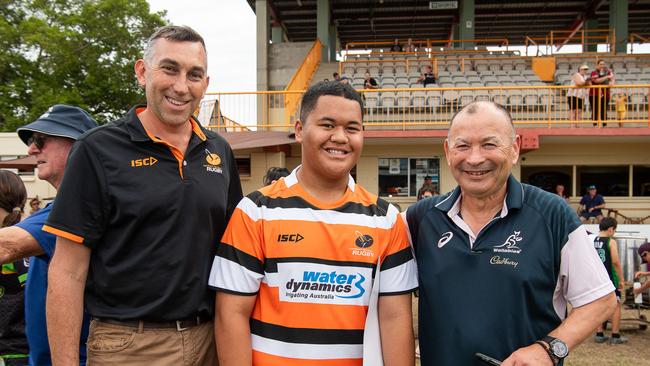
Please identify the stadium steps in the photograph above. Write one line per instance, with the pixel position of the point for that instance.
(325, 71)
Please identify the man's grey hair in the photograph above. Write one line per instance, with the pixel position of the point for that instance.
(174, 33)
(473, 108)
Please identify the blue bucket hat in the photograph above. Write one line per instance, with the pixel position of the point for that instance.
(60, 120)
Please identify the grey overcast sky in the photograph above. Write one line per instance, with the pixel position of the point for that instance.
(228, 27)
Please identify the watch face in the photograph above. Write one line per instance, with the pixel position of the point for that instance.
(559, 348)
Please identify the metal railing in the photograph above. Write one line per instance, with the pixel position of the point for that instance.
(432, 107)
(301, 79)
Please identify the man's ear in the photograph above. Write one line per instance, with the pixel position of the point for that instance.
(298, 131)
(140, 67)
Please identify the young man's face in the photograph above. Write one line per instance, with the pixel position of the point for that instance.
(331, 138)
(175, 79)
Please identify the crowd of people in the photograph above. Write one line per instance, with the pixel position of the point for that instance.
(150, 253)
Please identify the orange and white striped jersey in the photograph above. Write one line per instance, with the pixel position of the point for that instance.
(311, 266)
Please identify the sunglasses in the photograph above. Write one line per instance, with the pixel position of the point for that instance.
(37, 140)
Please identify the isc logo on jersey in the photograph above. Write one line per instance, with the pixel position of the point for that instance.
(323, 284)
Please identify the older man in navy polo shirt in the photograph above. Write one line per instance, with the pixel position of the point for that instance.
(498, 260)
(591, 205)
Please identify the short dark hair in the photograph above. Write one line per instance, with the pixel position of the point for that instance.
(173, 33)
(275, 173)
(473, 108)
(333, 88)
(606, 223)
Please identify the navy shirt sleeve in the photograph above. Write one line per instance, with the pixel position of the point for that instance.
(82, 204)
(34, 226)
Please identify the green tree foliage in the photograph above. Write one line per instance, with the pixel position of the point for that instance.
(78, 52)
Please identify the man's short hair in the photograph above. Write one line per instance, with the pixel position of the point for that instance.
(333, 88)
(473, 108)
(174, 33)
(606, 223)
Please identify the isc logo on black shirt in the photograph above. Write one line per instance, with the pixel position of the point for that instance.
(135, 163)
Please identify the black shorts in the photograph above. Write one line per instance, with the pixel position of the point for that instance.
(575, 102)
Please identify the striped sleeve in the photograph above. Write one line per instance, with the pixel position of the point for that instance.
(398, 268)
(238, 266)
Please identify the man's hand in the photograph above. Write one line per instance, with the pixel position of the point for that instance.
(640, 274)
(533, 355)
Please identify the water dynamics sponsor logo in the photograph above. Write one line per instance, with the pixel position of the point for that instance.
(510, 245)
(326, 286)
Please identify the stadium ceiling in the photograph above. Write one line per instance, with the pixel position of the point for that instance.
(382, 20)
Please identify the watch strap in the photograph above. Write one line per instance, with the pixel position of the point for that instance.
(547, 347)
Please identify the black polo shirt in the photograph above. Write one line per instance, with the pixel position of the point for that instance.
(504, 287)
(152, 218)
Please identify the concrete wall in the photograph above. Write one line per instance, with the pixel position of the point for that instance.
(284, 60)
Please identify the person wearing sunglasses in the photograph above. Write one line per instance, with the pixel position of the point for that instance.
(644, 253)
(49, 139)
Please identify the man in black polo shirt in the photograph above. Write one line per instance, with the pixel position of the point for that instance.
(498, 260)
(147, 198)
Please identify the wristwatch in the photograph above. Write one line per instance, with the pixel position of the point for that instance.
(556, 349)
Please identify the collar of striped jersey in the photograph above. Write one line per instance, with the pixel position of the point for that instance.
(514, 197)
(292, 179)
(137, 131)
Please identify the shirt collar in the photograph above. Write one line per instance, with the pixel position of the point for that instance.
(292, 179)
(514, 198)
(137, 132)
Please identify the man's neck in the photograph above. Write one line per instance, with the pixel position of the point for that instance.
(478, 211)
(177, 136)
(323, 190)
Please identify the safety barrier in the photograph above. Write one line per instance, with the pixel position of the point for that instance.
(432, 108)
(301, 79)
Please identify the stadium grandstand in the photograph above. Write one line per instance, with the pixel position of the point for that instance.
(520, 54)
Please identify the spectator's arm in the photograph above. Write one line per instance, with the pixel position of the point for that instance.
(616, 262)
(65, 293)
(421, 78)
(16, 243)
(580, 323)
(396, 328)
(645, 286)
(641, 274)
(232, 329)
(578, 80)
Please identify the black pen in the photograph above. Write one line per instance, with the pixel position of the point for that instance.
(487, 359)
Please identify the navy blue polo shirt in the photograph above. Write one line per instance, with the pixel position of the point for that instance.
(151, 216)
(590, 202)
(505, 288)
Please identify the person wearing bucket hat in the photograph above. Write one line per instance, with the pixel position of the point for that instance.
(149, 199)
(576, 95)
(644, 253)
(49, 139)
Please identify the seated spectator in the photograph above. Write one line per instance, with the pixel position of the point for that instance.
(427, 77)
(559, 190)
(409, 47)
(644, 253)
(591, 205)
(275, 173)
(336, 76)
(396, 46)
(35, 205)
(576, 96)
(369, 82)
(344, 80)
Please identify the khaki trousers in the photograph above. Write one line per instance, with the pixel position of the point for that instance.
(110, 344)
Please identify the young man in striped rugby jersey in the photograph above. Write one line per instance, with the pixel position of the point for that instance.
(301, 258)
